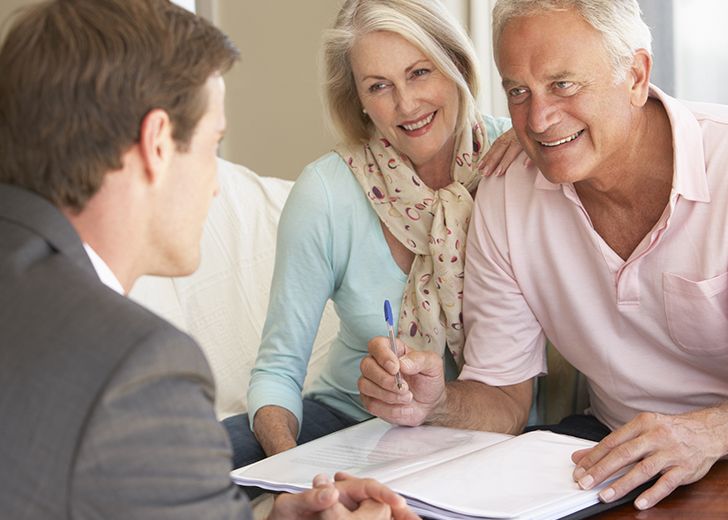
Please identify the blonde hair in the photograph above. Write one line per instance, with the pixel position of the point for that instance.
(619, 22)
(424, 23)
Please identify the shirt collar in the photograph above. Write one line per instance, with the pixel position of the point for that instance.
(690, 179)
(103, 271)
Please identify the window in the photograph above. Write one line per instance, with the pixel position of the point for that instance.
(689, 48)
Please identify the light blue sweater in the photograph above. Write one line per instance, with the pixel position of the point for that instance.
(330, 246)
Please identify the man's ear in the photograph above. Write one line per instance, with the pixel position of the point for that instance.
(156, 144)
(638, 76)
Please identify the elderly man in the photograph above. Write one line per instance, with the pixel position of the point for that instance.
(613, 244)
(111, 112)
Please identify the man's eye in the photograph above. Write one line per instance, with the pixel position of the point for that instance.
(517, 91)
(562, 85)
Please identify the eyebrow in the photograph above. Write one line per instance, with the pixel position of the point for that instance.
(407, 70)
(558, 76)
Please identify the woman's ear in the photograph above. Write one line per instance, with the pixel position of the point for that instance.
(156, 144)
(639, 77)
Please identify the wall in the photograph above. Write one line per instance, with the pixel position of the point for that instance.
(275, 116)
(6, 8)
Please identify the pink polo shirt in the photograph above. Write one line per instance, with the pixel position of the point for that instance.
(649, 333)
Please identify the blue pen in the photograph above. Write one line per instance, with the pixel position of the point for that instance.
(392, 344)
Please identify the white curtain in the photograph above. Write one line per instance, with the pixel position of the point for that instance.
(492, 99)
(187, 4)
(475, 17)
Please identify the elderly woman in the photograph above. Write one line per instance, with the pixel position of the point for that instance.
(384, 217)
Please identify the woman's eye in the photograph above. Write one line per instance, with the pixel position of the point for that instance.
(376, 87)
(420, 72)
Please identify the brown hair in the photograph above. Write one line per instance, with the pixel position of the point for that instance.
(78, 78)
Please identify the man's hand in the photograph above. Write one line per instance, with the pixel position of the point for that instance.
(353, 491)
(348, 498)
(423, 389)
(682, 448)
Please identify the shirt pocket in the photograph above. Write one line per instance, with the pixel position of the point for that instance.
(697, 313)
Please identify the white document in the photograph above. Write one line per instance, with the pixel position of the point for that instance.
(442, 472)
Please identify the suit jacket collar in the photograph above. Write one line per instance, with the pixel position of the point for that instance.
(29, 210)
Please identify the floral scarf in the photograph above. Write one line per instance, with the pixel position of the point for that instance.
(433, 225)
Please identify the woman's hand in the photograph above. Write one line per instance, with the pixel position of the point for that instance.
(501, 154)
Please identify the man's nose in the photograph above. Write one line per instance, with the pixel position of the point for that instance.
(542, 114)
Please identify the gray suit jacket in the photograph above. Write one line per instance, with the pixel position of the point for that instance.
(106, 410)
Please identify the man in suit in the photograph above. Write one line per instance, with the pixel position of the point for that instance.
(111, 112)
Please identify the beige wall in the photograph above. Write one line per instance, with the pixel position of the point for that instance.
(275, 119)
(6, 8)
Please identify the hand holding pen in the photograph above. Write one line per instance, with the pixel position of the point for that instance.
(392, 343)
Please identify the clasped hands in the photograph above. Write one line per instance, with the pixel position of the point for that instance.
(345, 498)
(679, 448)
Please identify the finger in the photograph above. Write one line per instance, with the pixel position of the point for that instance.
(665, 485)
(403, 415)
(372, 510)
(618, 459)
(380, 350)
(385, 389)
(321, 480)
(302, 504)
(336, 512)
(640, 473)
(417, 362)
(579, 455)
(344, 498)
(373, 372)
(493, 157)
(398, 505)
(616, 439)
(501, 154)
(510, 155)
(358, 489)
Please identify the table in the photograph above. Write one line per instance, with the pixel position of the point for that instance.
(706, 499)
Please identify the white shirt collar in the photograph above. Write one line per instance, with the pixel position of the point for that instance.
(103, 271)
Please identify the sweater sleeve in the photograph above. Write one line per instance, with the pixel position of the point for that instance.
(303, 281)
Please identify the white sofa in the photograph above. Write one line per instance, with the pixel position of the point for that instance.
(223, 304)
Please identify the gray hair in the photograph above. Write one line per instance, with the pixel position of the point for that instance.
(426, 24)
(619, 22)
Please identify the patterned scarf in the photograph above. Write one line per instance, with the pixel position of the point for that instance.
(430, 223)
